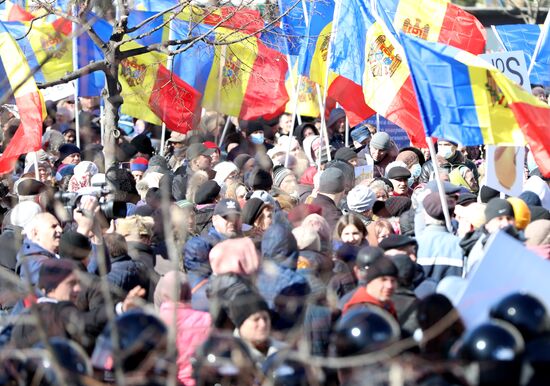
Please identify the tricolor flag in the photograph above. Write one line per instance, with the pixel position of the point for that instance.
(47, 47)
(465, 99)
(15, 12)
(252, 82)
(313, 62)
(17, 83)
(367, 51)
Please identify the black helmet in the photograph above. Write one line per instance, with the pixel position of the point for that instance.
(139, 334)
(35, 366)
(223, 359)
(363, 329)
(282, 371)
(523, 311)
(69, 355)
(492, 341)
(368, 255)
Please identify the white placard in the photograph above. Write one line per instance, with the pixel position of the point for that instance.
(512, 64)
(507, 267)
(56, 93)
(505, 168)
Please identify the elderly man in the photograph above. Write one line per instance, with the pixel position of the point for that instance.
(42, 235)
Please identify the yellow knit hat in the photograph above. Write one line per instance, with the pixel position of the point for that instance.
(522, 214)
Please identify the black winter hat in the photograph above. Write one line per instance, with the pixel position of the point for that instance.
(432, 206)
(381, 267)
(207, 193)
(260, 179)
(345, 154)
(486, 194)
(251, 210)
(74, 245)
(30, 187)
(498, 207)
(53, 272)
(67, 149)
(396, 241)
(398, 172)
(143, 144)
(245, 305)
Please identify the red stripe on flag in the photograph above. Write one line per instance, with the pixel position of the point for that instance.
(533, 121)
(174, 101)
(28, 136)
(462, 30)
(243, 20)
(266, 94)
(17, 13)
(403, 111)
(350, 96)
(63, 26)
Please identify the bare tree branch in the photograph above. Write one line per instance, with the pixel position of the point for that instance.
(89, 68)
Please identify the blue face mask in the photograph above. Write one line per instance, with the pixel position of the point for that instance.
(257, 138)
(415, 173)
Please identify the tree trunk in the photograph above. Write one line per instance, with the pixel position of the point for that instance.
(112, 101)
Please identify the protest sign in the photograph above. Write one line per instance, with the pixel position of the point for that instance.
(512, 64)
(505, 169)
(508, 266)
(397, 134)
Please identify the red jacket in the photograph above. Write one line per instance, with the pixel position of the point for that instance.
(362, 297)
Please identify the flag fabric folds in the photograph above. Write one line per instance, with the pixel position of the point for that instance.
(370, 39)
(17, 83)
(47, 46)
(539, 72)
(523, 37)
(244, 79)
(465, 99)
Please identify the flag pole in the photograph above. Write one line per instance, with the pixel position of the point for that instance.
(439, 183)
(75, 82)
(294, 111)
(325, 88)
(224, 132)
(36, 172)
(346, 140)
(170, 65)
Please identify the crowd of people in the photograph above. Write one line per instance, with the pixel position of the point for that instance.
(260, 255)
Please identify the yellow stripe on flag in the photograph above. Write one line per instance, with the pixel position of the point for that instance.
(46, 43)
(385, 69)
(137, 76)
(422, 18)
(238, 61)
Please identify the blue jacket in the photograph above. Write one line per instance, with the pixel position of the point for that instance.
(439, 253)
(127, 273)
(29, 260)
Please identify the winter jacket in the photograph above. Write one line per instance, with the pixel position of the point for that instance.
(203, 219)
(362, 297)
(197, 265)
(192, 329)
(144, 253)
(452, 163)
(127, 273)
(331, 212)
(29, 260)
(10, 242)
(406, 303)
(439, 253)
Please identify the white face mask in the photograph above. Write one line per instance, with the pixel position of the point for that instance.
(446, 152)
(257, 138)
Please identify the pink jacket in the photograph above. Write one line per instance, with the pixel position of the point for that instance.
(192, 329)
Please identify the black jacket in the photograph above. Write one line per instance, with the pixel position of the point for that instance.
(331, 212)
(10, 243)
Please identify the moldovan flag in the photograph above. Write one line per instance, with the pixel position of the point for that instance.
(146, 81)
(47, 47)
(243, 78)
(14, 12)
(313, 62)
(17, 83)
(463, 98)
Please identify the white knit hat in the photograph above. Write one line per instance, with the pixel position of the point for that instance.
(223, 170)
